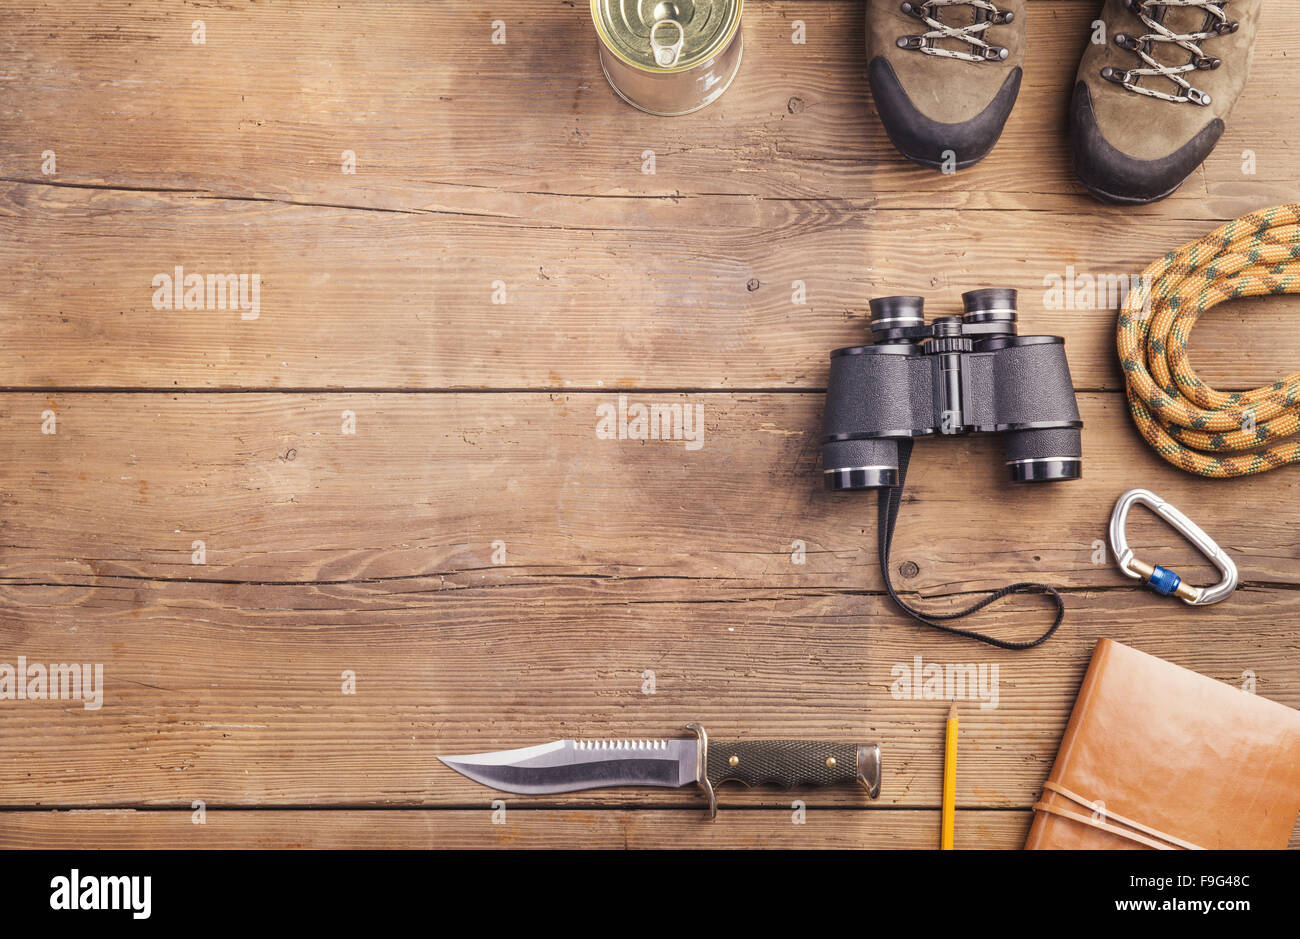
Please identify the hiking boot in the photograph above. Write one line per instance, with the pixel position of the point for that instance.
(1150, 101)
(945, 74)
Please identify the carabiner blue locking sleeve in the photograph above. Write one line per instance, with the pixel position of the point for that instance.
(1162, 580)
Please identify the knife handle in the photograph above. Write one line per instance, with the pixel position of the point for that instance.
(792, 764)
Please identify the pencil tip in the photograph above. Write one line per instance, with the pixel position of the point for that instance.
(952, 711)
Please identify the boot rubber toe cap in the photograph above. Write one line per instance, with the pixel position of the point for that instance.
(1114, 176)
(923, 140)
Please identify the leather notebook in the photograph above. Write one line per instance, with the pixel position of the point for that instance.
(1156, 756)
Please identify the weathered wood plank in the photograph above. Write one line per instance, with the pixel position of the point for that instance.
(681, 279)
(441, 117)
(235, 693)
(650, 293)
(569, 829)
(279, 493)
(473, 829)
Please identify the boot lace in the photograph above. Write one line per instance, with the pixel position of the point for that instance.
(1151, 13)
(987, 15)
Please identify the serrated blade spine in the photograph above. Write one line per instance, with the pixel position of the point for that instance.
(621, 745)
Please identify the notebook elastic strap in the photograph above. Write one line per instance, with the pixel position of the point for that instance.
(1101, 819)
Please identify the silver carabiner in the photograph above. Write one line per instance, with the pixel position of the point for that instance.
(1159, 579)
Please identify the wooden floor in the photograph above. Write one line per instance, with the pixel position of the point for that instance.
(491, 572)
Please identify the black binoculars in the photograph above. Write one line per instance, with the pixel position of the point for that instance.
(968, 374)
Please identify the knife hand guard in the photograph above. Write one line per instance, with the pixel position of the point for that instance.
(790, 764)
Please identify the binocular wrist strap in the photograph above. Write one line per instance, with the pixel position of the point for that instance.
(890, 500)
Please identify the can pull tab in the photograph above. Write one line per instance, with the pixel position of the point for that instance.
(1159, 579)
(667, 54)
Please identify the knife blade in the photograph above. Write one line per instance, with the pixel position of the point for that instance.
(573, 765)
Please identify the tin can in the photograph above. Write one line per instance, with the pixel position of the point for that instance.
(668, 57)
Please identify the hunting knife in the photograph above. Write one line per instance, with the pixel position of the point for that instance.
(572, 765)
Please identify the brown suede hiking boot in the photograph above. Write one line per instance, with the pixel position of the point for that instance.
(945, 74)
(1150, 100)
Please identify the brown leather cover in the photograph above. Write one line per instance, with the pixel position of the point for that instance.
(1178, 753)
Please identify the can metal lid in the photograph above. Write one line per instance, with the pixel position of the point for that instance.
(666, 35)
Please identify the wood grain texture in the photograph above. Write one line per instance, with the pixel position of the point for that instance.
(235, 694)
(514, 163)
(442, 119)
(373, 551)
(638, 295)
(522, 828)
(568, 829)
(279, 493)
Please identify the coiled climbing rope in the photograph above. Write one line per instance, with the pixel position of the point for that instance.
(1188, 423)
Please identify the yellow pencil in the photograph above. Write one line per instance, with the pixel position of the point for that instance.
(949, 780)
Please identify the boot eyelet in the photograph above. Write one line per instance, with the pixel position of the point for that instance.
(1207, 62)
(1226, 27)
(911, 42)
(1117, 75)
(1002, 16)
(996, 53)
(1131, 43)
(912, 9)
(1124, 40)
(1198, 97)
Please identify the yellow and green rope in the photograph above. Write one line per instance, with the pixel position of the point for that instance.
(1191, 425)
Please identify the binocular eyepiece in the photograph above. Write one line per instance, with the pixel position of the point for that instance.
(956, 375)
(900, 318)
